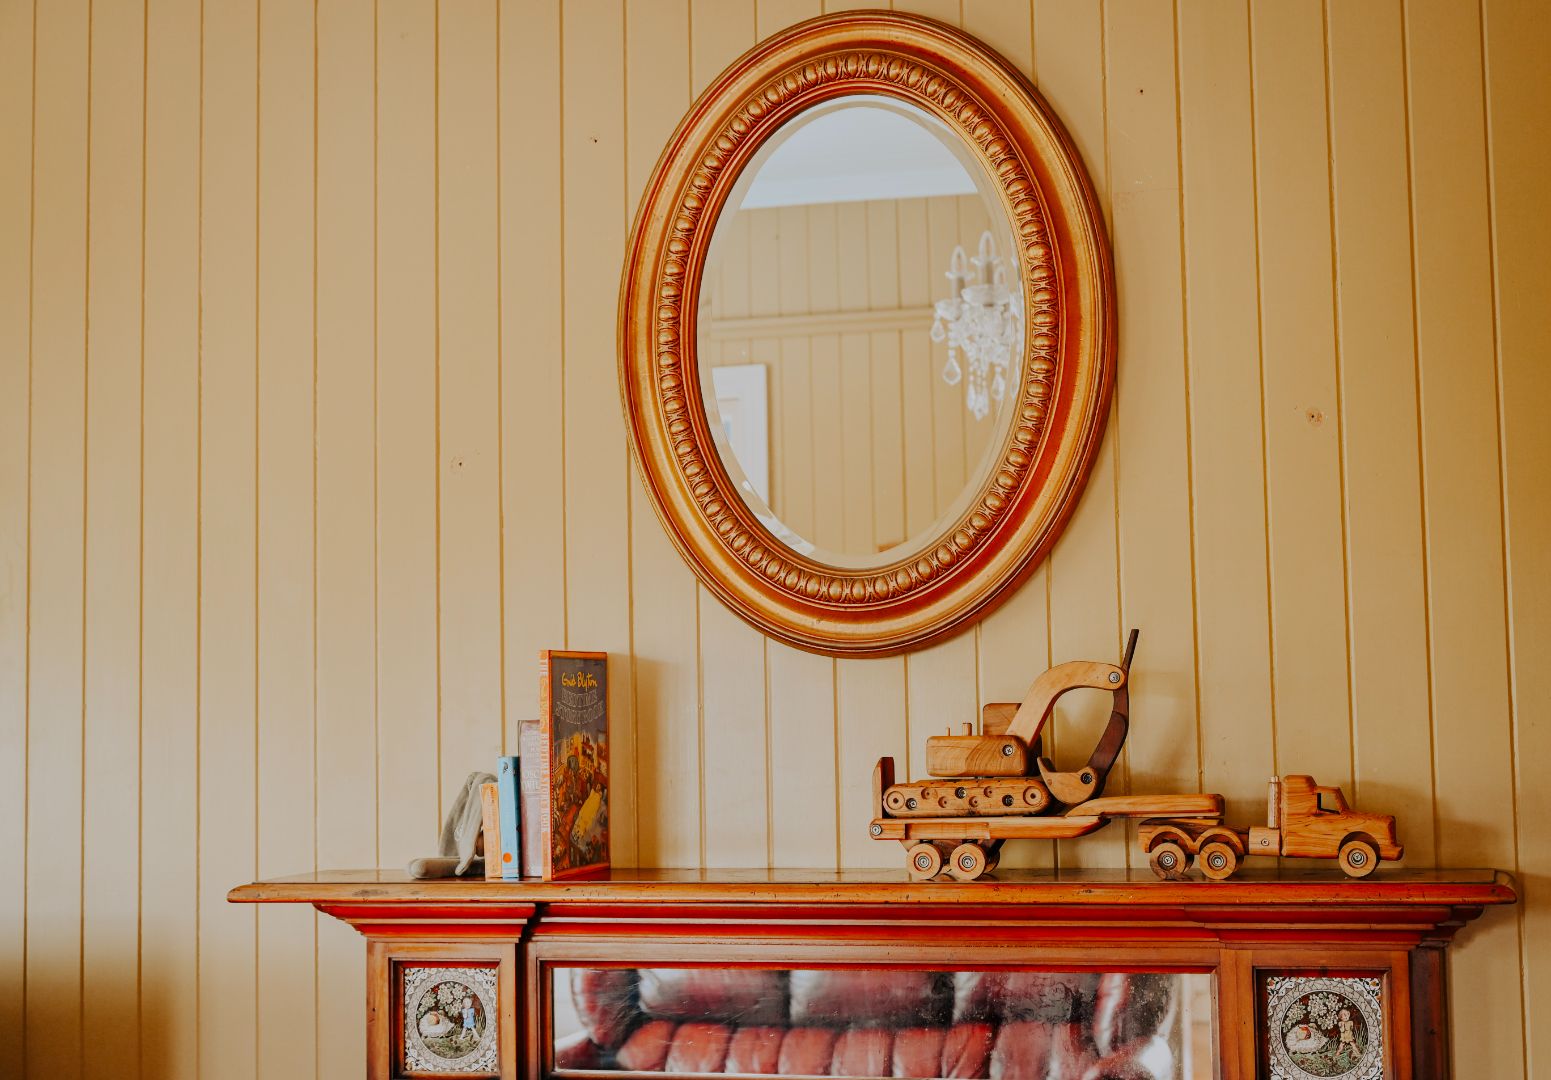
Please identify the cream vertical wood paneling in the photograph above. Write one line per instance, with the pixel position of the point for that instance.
(1392, 728)
(829, 463)
(1013, 642)
(256, 570)
(835, 388)
(1517, 39)
(1008, 28)
(736, 736)
(940, 680)
(468, 392)
(111, 650)
(732, 239)
(665, 626)
(800, 687)
(882, 387)
(1084, 602)
(774, 16)
(888, 440)
(804, 799)
(345, 831)
(171, 567)
(871, 723)
(824, 255)
(286, 497)
(921, 283)
(53, 1032)
(408, 720)
(974, 222)
(15, 433)
(792, 475)
(811, 287)
(1473, 749)
(718, 32)
(850, 243)
(599, 523)
(1013, 646)
(871, 716)
(533, 579)
(948, 412)
(1227, 459)
(228, 736)
(1151, 402)
(736, 733)
(1303, 425)
(940, 693)
(920, 375)
(946, 10)
(1455, 323)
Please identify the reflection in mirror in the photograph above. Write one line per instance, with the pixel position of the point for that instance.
(879, 1022)
(859, 323)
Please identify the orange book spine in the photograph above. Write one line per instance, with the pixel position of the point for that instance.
(489, 808)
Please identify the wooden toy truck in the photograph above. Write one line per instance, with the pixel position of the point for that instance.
(1303, 821)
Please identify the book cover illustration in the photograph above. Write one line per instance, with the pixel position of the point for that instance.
(574, 707)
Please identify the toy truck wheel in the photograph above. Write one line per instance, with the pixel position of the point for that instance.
(1218, 860)
(968, 861)
(1358, 858)
(1168, 860)
(925, 861)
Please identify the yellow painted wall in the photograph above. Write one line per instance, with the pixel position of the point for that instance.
(309, 439)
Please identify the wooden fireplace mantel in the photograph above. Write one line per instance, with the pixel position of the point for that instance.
(1316, 922)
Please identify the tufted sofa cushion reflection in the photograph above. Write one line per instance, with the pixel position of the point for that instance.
(875, 1023)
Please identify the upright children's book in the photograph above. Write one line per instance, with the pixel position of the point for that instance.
(531, 738)
(571, 790)
(490, 812)
(509, 805)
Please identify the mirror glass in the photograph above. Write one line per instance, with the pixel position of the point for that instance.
(860, 330)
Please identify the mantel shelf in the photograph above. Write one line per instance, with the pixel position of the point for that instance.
(1292, 886)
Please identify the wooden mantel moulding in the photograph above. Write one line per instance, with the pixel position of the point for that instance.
(1400, 906)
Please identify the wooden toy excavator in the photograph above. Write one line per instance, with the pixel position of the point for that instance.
(997, 786)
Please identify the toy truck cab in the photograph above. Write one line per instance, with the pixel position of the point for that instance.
(1303, 820)
(1316, 822)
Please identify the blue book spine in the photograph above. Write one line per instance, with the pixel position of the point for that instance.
(509, 797)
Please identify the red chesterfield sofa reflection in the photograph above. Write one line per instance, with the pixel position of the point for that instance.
(844, 1022)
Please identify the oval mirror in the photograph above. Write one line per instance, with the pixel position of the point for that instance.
(860, 322)
(866, 344)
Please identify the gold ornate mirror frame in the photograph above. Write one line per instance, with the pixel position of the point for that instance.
(1066, 373)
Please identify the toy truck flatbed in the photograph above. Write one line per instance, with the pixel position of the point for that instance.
(968, 847)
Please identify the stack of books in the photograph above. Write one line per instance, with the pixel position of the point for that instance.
(547, 814)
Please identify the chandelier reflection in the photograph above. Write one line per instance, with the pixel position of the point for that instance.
(983, 320)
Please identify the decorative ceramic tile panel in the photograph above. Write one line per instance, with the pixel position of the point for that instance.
(450, 1020)
(1324, 1028)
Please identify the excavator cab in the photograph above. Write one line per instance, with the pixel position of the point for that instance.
(1013, 749)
